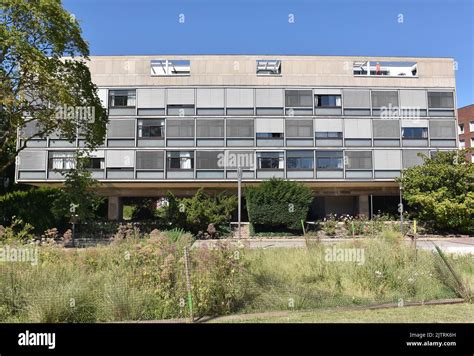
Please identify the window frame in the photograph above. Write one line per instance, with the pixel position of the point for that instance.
(71, 158)
(340, 158)
(131, 93)
(424, 135)
(279, 159)
(181, 160)
(317, 100)
(141, 121)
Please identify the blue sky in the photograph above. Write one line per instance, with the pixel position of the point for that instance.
(430, 28)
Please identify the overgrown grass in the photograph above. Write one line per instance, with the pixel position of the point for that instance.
(143, 279)
(291, 279)
(131, 279)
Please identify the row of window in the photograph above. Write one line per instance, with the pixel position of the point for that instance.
(155, 128)
(272, 102)
(175, 67)
(219, 160)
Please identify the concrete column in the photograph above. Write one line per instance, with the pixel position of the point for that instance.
(364, 205)
(115, 209)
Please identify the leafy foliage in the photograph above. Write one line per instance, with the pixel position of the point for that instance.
(278, 204)
(441, 191)
(79, 191)
(33, 206)
(196, 213)
(42, 69)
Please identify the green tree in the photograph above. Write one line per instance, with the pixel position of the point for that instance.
(441, 191)
(44, 78)
(196, 213)
(278, 204)
(78, 194)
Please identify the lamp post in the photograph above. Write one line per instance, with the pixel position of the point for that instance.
(74, 220)
(239, 198)
(400, 208)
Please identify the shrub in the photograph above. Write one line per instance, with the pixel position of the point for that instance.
(33, 206)
(278, 204)
(195, 214)
(441, 191)
(329, 225)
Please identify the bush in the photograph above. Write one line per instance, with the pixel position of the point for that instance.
(34, 207)
(278, 204)
(196, 213)
(441, 191)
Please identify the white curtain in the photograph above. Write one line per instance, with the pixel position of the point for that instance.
(185, 158)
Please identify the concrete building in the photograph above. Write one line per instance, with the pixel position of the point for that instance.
(466, 129)
(345, 126)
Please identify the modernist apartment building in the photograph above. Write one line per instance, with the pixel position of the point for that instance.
(466, 129)
(345, 126)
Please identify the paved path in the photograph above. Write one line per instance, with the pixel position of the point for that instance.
(449, 245)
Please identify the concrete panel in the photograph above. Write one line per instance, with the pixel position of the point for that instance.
(180, 174)
(329, 174)
(150, 143)
(209, 174)
(300, 174)
(270, 174)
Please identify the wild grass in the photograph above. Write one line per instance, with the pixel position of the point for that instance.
(143, 279)
(291, 279)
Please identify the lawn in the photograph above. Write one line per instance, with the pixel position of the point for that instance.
(452, 313)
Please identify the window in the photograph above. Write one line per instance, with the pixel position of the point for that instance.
(440, 100)
(384, 98)
(390, 69)
(471, 126)
(299, 160)
(268, 67)
(269, 134)
(462, 144)
(180, 128)
(150, 160)
(240, 128)
(461, 128)
(270, 160)
(329, 160)
(358, 160)
(209, 128)
(122, 98)
(61, 160)
(95, 163)
(328, 135)
(209, 160)
(298, 98)
(414, 132)
(167, 67)
(180, 160)
(151, 128)
(299, 128)
(327, 101)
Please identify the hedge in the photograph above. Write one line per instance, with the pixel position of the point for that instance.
(32, 206)
(277, 204)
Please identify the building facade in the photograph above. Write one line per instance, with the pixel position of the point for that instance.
(466, 129)
(345, 126)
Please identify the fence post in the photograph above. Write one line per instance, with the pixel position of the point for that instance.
(188, 283)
